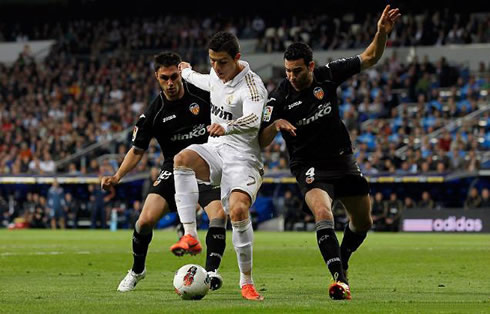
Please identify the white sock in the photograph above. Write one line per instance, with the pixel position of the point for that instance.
(186, 198)
(190, 228)
(242, 238)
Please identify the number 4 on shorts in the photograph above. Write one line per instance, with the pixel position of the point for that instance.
(310, 172)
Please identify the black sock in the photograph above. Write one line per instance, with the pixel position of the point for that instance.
(350, 243)
(140, 248)
(215, 244)
(329, 247)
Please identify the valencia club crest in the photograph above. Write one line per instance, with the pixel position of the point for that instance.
(318, 92)
(194, 108)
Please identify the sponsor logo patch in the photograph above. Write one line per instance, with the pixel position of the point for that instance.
(169, 118)
(266, 117)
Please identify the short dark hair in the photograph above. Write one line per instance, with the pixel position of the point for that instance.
(166, 59)
(225, 41)
(297, 51)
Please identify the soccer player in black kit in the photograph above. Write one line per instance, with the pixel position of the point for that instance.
(304, 108)
(177, 118)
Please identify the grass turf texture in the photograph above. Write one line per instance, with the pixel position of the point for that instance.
(79, 271)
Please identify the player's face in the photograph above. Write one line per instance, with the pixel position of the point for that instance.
(171, 82)
(224, 65)
(298, 73)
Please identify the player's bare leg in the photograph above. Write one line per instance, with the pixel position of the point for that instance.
(242, 238)
(320, 204)
(360, 222)
(153, 210)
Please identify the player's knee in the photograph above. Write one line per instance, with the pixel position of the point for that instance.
(322, 212)
(239, 211)
(363, 225)
(144, 225)
(181, 160)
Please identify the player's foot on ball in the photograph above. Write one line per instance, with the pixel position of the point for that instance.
(216, 280)
(249, 293)
(130, 281)
(186, 245)
(339, 291)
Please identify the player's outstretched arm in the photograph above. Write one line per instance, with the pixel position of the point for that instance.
(267, 134)
(375, 50)
(195, 78)
(130, 161)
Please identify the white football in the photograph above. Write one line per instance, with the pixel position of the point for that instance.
(191, 282)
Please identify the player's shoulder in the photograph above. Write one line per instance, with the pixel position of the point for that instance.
(195, 91)
(281, 91)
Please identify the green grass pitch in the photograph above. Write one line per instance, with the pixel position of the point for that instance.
(78, 271)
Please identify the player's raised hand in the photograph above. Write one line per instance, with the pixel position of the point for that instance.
(284, 125)
(388, 19)
(184, 65)
(107, 182)
(216, 130)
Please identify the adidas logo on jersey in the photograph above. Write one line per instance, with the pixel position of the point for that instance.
(323, 110)
(199, 130)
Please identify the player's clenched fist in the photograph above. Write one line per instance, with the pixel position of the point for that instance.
(284, 125)
(107, 182)
(184, 65)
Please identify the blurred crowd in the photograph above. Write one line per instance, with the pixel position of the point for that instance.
(56, 208)
(188, 34)
(386, 209)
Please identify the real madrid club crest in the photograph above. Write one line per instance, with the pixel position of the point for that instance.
(229, 99)
(318, 92)
(194, 108)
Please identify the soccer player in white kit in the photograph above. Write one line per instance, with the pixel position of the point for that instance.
(231, 158)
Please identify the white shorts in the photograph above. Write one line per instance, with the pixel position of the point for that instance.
(231, 169)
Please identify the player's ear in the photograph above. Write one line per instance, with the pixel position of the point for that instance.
(237, 57)
(156, 75)
(311, 66)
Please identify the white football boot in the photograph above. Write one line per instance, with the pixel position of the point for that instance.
(129, 282)
(216, 280)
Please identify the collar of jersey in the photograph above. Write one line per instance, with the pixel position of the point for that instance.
(239, 77)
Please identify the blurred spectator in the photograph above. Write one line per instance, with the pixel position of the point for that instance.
(292, 210)
(485, 198)
(426, 202)
(56, 205)
(409, 203)
(72, 209)
(39, 218)
(134, 213)
(393, 212)
(98, 200)
(378, 212)
(473, 200)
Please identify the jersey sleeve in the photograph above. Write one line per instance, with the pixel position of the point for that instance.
(254, 96)
(340, 70)
(143, 130)
(197, 79)
(272, 109)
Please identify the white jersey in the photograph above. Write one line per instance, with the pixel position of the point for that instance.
(237, 105)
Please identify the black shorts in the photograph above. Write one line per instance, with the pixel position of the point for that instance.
(339, 178)
(164, 186)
